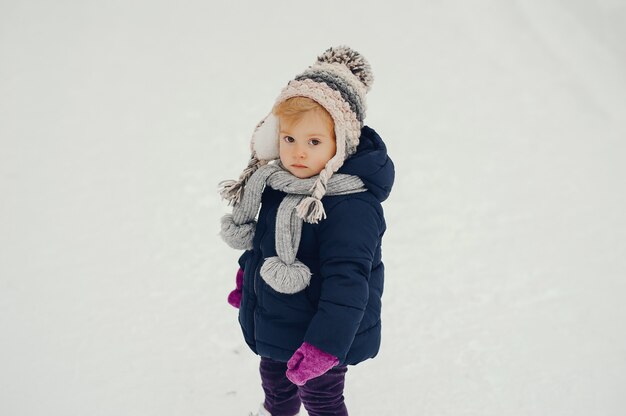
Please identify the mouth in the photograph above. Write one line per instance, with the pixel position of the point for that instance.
(296, 165)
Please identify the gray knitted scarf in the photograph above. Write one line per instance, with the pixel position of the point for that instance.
(284, 273)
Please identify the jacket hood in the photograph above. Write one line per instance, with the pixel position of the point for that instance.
(371, 163)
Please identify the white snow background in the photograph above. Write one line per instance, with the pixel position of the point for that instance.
(505, 252)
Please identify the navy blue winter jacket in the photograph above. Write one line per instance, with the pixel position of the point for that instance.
(340, 310)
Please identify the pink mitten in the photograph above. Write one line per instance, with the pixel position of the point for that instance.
(234, 298)
(309, 362)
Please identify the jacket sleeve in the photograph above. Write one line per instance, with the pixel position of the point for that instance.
(243, 258)
(348, 239)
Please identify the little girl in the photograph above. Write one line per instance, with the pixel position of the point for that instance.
(310, 282)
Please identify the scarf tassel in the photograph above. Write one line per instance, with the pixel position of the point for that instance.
(285, 278)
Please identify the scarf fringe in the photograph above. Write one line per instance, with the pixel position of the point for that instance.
(285, 278)
(238, 236)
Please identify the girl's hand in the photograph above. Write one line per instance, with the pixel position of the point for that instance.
(234, 297)
(309, 362)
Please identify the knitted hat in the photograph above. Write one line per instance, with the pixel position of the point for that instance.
(338, 81)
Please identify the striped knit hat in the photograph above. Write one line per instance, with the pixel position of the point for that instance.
(338, 80)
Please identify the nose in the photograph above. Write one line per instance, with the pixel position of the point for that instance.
(300, 151)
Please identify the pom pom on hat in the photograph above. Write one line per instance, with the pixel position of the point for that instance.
(355, 62)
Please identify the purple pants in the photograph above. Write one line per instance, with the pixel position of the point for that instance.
(321, 396)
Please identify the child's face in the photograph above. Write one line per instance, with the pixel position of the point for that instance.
(306, 145)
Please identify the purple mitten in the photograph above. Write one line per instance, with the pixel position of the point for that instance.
(309, 362)
(234, 298)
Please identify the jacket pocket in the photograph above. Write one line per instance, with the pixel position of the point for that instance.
(255, 279)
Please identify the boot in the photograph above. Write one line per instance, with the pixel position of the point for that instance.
(263, 412)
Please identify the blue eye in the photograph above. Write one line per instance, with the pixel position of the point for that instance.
(314, 142)
(288, 139)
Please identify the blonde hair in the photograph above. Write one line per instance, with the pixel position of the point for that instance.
(294, 108)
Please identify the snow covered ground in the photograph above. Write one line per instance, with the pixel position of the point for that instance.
(506, 243)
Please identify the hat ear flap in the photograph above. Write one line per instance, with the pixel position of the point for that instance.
(265, 138)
